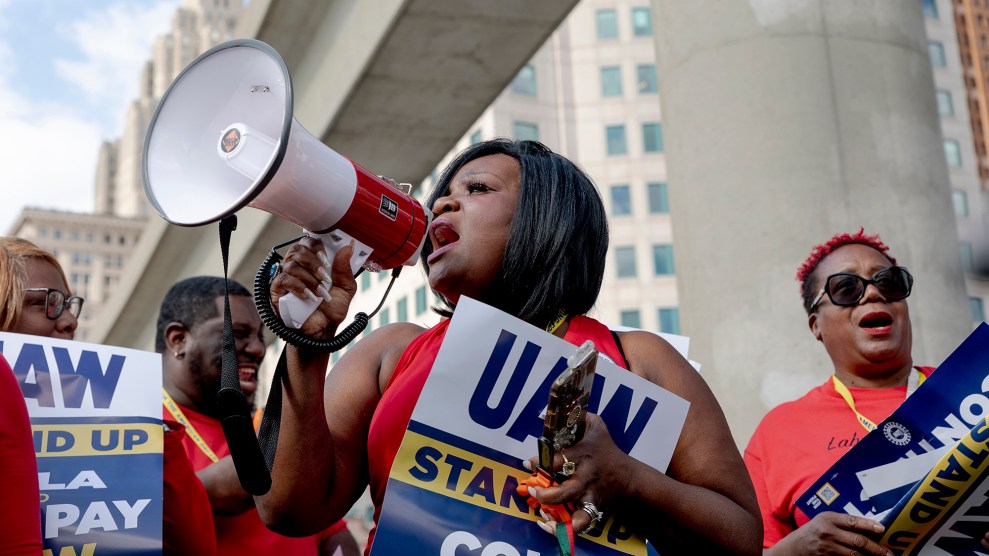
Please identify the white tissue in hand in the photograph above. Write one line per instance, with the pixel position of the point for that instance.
(294, 311)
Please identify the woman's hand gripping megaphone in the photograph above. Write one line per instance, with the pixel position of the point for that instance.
(316, 279)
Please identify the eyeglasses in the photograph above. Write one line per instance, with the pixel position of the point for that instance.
(846, 289)
(55, 303)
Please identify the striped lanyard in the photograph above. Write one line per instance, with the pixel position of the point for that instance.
(176, 412)
(915, 379)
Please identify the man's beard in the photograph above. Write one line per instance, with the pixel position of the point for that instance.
(207, 383)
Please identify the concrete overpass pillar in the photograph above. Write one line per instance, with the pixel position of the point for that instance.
(788, 121)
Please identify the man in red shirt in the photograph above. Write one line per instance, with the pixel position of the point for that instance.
(189, 337)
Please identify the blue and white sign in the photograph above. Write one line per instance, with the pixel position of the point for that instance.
(920, 464)
(96, 418)
(452, 487)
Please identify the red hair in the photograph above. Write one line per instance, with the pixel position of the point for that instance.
(818, 253)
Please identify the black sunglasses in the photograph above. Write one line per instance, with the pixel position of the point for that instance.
(55, 303)
(845, 289)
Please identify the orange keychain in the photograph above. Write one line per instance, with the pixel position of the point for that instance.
(560, 513)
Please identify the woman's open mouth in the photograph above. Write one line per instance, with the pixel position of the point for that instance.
(877, 322)
(443, 237)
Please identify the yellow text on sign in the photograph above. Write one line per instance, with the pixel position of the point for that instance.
(104, 439)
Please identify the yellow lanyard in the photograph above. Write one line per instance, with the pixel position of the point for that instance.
(561, 316)
(176, 412)
(915, 380)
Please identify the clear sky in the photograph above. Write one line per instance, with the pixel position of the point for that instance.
(68, 70)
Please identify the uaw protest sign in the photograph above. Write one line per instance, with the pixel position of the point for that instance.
(96, 418)
(924, 471)
(452, 488)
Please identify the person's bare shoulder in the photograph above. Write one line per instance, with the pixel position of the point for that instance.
(653, 358)
(382, 348)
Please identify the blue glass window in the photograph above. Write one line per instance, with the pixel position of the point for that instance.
(607, 24)
(616, 139)
(662, 259)
(621, 200)
(625, 261)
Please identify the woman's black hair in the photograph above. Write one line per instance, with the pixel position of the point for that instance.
(558, 239)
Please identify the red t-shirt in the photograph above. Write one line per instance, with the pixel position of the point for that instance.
(394, 410)
(187, 519)
(244, 533)
(20, 513)
(798, 441)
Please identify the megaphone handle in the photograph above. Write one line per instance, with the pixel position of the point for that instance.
(294, 310)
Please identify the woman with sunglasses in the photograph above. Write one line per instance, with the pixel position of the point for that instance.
(855, 297)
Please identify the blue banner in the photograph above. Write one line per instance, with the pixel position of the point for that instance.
(96, 423)
(929, 433)
(452, 486)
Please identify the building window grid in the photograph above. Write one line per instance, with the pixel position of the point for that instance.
(978, 309)
(615, 139)
(625, 261)
(662, 257)
(631, 318)
(642, 22)
(936, 52)
(611, 81)
(945, 106)
(526, 131)
(959, 199)
(968, 263)
(659, 202)
(669, 320)
(607, 24)
(421, 304)
(952, 153)
(525, 81)
(621, 200)
(645, 79)
(652, 137)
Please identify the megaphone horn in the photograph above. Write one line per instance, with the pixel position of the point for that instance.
(223, 137)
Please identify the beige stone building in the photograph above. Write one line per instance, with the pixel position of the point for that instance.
(94, 249)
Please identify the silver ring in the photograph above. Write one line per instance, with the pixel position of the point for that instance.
(592, 510)
(276, 269)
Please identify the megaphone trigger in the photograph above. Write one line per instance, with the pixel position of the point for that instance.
(335, 240)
